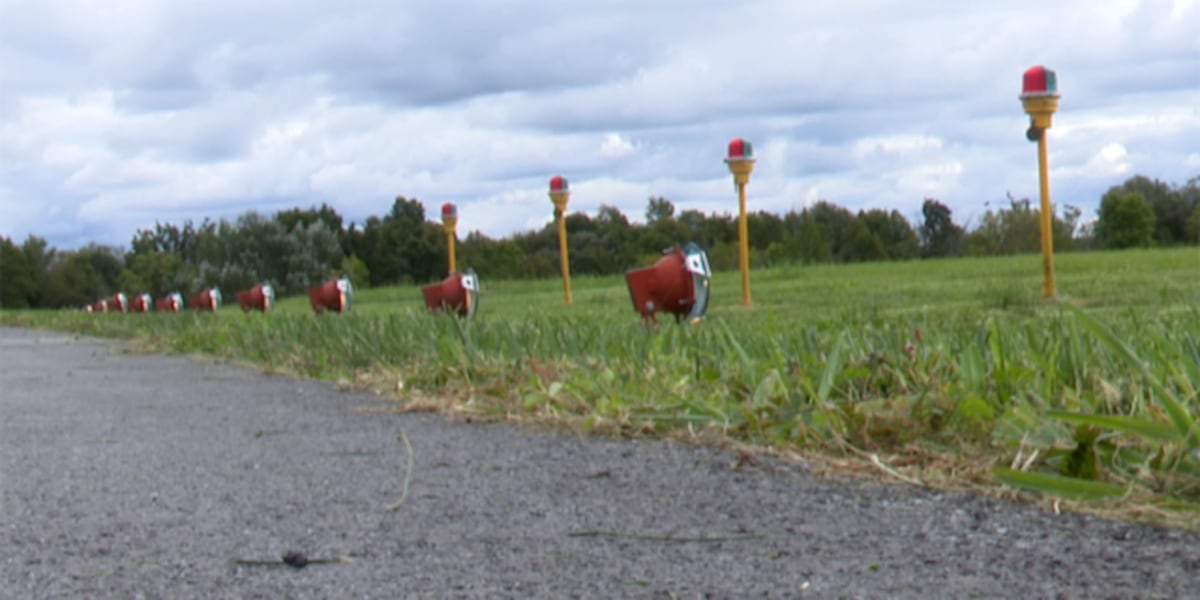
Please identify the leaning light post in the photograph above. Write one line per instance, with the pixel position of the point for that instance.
(1039, 96)
(560, 193)
(741, 162)
(449, 222)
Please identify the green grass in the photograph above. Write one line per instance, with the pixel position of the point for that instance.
(951, 372)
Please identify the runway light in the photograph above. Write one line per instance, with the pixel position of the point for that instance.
(207, 300)
(260, 297)
(677, 284)
(458, 293)
(335, 295)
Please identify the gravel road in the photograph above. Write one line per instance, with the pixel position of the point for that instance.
(129, 476)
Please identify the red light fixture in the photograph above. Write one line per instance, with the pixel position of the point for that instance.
(170, 303)
(140, 303)
(335, 295)
(457, 293)
(207, 300)
(260, 297)
(118, 302)
(1039, 81)
(740, 150)
(676, 284)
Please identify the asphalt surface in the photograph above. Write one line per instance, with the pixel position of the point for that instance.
(135, 476)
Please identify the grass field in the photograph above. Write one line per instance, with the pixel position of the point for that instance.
(950, 373)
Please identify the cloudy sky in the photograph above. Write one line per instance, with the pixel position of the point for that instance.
(118, 114)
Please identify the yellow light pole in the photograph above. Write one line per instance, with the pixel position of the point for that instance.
(1039, 96)
(559, 194)
(449, 222)
(741, 163)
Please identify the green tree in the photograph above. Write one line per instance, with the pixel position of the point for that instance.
(357, 271)
(494, 259)
(1171, 208)
(660, 232)
(402, 246)
(708, 231)
(894, 232)
(659, 208)
(325, 214)
(70, 282)
(41, 258)
(82, 277)
(158, 272)
(1191, 194)
(841, 228)
(617, 236)
(805, 240)
(1125, 220)
(1193, 227)
(764, 228)
(940, 236)
(17, 283)
(1014, 229)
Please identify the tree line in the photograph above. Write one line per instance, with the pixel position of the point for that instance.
(296, 248)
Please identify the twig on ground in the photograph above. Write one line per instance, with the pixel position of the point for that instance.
(884, 467)
(407, 474)
(295, 560)
(664, 538)
(894, 473)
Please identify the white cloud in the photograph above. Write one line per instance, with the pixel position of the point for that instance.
(154, 110)
(616, 146)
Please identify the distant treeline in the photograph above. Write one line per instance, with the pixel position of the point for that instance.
(297, 248)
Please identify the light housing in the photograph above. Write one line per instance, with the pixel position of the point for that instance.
(457, 293)
(677, 284)
(336, 295)
(260, 297)
(207, 300)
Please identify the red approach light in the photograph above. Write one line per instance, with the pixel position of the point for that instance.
(170, 303)
(334, 295)
(558, 183)
(260, 297)
(1039, 81)
(740, 149)
(449, 211)
(458, 292)
(676, 284)
(141, 303)
(117, 303)
(208, 300)
(99, 306)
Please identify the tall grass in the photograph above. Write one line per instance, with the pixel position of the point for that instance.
(1091, 395)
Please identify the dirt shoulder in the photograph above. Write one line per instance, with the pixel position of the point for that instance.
(126, 475)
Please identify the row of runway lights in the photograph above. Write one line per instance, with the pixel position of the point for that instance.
(334, 295)
(678, 284)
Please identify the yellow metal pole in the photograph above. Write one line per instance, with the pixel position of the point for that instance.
(743, 243)
(559, 195)
(564, 264)
(741, 166)
(1047, 221)
(449, 223)
(1041, 112)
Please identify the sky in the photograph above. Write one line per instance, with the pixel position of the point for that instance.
(118, 115)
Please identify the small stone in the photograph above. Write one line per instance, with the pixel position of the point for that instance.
(295, 559)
